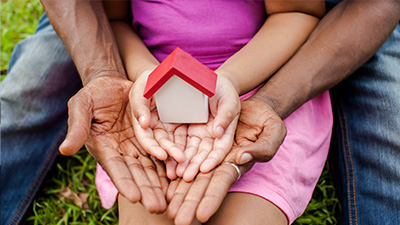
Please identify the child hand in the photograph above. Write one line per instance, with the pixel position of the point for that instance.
(156, 138)
(209, 143)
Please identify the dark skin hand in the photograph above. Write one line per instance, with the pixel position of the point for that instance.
(100, 117)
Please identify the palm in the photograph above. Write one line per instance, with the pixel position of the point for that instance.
(166, 141)
(100, 117)
(203, 151)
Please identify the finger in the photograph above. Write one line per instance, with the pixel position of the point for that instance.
(117, 169)
(170, 164)
(172, 187)
(180, 136)
(221, 148)
(190, 152)
(155, 181)
(177, 198)
(227, 109)
(147, 141)
(168, 145)
(79, 123)
(161, 172)
(264, 148)
(193, 168)
(187, 210)
(223, 178)
(149, 197)
(140, 105)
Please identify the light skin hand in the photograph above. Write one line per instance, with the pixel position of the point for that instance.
(203, 151)
(100, 117)
(207, 143)
(164, 141)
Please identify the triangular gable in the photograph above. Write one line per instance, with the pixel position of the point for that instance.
(186, 67)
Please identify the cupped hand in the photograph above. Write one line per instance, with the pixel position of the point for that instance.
(259, 134)
(164, 141)
(209, 143)
(100, 117)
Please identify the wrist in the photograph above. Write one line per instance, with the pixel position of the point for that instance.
(103, 73)
(225, 75)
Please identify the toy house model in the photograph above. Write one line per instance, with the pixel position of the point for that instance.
(181, 86)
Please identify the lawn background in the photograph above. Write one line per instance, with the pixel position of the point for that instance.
(68, 194)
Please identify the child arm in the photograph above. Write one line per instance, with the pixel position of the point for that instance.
(136, 57)
(287, 27)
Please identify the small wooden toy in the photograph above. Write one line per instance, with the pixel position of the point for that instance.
(181, 86)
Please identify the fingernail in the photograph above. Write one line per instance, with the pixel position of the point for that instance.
(220, 131)
(246, 157)
(141, 120)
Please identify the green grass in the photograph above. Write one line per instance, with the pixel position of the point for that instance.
(19, 19)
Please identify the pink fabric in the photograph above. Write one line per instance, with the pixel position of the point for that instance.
(105, 187)
(212, 31)
(289, 179)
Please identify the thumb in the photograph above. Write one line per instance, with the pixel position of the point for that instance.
(140, 105)
(79, 123)
(227, 111)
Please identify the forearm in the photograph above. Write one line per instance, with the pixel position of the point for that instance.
(277, 40)
(344, 40)
(135, 55)
(84, 28)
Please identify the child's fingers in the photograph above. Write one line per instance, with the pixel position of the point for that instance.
(146, 140)
(170, 165)
(140, 105)
(190, 152)
(193, 168)
(169, 146)
(227, 111)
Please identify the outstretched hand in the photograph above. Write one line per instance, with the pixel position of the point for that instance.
(100, 117)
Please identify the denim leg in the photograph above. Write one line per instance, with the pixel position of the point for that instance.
(34, 95)
(367, 125)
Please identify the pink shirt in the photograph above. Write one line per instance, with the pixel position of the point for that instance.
(210, 30)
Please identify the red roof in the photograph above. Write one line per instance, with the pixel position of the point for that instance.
(186, 67)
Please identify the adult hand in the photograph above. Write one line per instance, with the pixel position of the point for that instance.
(100, 117)
(202, 197)
(260, 132)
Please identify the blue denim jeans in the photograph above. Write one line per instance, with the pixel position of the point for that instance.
(367, 127)
(34, 95)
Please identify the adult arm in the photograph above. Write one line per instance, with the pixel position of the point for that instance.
(99, 114)
(84, 28)
(343, 40)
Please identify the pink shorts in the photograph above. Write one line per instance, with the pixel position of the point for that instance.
(289, 179)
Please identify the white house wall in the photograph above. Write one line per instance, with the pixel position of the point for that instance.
(179, 102)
